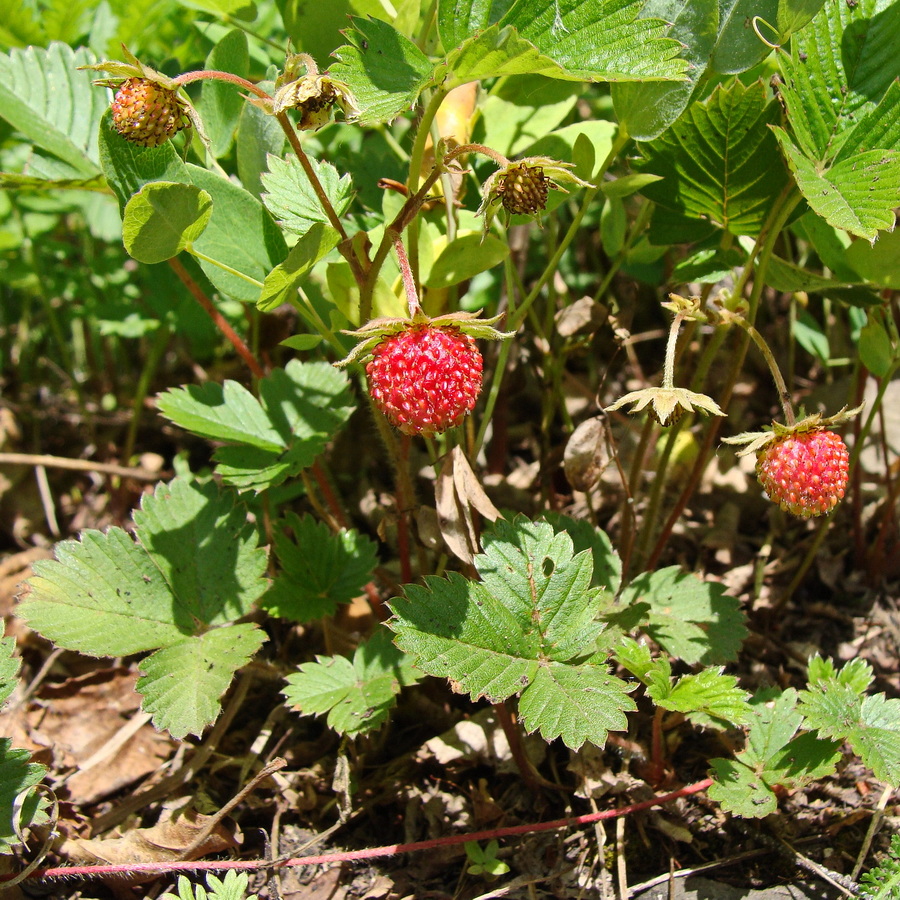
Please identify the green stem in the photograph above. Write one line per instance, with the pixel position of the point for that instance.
(224, 267)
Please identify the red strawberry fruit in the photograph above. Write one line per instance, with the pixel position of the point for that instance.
(805, 472)
(425, 379)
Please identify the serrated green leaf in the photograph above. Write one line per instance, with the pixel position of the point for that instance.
(300, 409)
(527, 628)
(182, 684)
(221, 103)
(607, 566)
(17, 775)
(357, 695)
(293, 202)
(775, 755)
(196, 564)
(458, 20)
(241, 235)
(870, 724)
(606, 40)
(384, 70)
(709, 699)
(163, 218)
(839, 68)
(740, 790)
(319, 570)
(691, 619)
(9, 667)
(716, 161)
(646, 109)
(282, 282)
(856, 194)
(45, 97)
(498, 52)
(464, 258)
(878, 129)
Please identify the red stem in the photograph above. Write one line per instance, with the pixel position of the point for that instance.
(221, 323)
(202, 74)
(159, 868)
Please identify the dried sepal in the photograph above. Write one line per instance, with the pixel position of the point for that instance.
(667, 405)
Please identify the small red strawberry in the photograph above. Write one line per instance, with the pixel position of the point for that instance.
(805, 473)
(146, 113)
(425, 379)
(423, 374)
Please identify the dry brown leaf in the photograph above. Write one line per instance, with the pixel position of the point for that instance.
(457, 492)
(166, 841)
(586, 456)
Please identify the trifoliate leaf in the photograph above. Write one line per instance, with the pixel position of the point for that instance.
(528, 628)
(357, 695)
(319, 569)
(709, 699)
(775, 755)
(871, 725)
(196, 566)
(716, 161)
(301, 407)
(691, 619)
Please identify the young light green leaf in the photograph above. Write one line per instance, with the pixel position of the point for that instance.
(9, 667)
(17, 775)
(606, 40)
(716, 161)
(709, 699)
(839, 68)
(319, 570)
(857, 194)
(875, 350)
(384, 70)
(163, 218)
(498, 52)
(691, 619)
(810, 336)
(878, 263)
(527, 628)
(241, 235)
(464, 258)
(357, 695)
(232, 887)
(221, 103)
(293, 202)
(301, 407)
(44, 96)
(182, 684)
(282, 282)
(775, 755)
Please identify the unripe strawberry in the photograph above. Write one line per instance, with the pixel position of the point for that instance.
(146, 113)
(805, 472)
(425, 379)
(524, 189)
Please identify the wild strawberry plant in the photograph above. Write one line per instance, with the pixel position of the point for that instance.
(435, 168)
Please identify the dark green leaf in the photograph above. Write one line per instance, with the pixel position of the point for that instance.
(221, 103)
